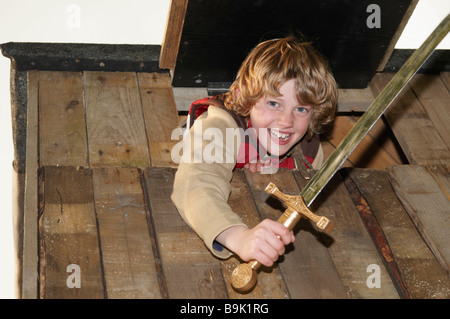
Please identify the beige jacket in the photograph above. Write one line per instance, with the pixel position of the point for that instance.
(201, 190)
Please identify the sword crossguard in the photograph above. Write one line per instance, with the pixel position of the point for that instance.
(244, 276)
(296, 203)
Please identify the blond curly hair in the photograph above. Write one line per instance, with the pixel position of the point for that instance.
(272, 63)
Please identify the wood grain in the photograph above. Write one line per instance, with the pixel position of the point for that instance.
(424, 278)
(30, 258)
(115, 126)
(416, 133)
(172, 37)
(127, 255)
(427, 206)
(350, 246)
(68, 233)
(189, 268)
(62, 121)
(435, 99)
(160, 116)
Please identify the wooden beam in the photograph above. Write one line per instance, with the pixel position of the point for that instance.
(174, 28)
(398, 33)
(30, 261)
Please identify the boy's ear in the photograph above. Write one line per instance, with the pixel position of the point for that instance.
(237, 92)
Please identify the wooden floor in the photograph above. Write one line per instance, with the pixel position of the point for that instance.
(104, 173)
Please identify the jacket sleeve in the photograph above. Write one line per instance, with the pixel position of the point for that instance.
(202, 182)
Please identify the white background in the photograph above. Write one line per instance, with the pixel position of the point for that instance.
(116, 22)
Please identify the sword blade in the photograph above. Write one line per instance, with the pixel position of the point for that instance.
(373, 113)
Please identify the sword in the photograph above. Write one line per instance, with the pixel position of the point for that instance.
(244, 276)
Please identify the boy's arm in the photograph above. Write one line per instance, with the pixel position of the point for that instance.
(201, 190)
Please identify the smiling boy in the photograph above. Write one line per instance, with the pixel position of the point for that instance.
(283, 96)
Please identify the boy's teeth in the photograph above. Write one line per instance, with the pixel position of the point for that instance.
(277, 134)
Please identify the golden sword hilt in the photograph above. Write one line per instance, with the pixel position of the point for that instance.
(244, 276)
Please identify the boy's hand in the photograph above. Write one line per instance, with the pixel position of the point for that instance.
(257, 166)
(264, 243)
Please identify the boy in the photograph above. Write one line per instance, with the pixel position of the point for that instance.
(283, 95)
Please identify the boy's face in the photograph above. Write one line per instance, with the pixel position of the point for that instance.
(280, 122)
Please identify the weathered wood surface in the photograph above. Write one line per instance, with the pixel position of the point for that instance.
(62, 124)
(419, 119)
(120, 227)
(96, 218)
(160, 116)
(127, 254)
(428, 205)
(68, 235)
(28, 274)
(172, 34)
(422, 274)
(189, 269)
(351, 248)
(115, 126)
(112, 214)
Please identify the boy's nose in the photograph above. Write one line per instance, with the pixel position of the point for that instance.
(285, 119)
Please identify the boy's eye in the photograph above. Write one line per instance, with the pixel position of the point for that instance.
(273, 103)
(302, 109)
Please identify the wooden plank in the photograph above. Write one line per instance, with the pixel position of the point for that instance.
(68, 236)
(306, 266)
(441, 175)
(427, 206)
(368, 153)
(189, 268)
(415, 132)
(445, 78)
(354, 100)
(435, 98)
(30, 260)
(270, 282)
(424, 278)
(376, 233)
(115, 126)
(172, 37)
(160, 115)
(127, 255)
(185, 96)
(62, 124)
(350, 246)
(382, 137)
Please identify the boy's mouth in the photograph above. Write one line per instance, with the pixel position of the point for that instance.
(282, 137)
